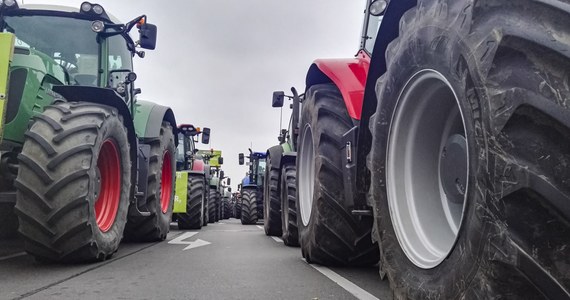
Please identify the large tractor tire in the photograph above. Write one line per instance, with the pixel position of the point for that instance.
(160, 190)
(237, 209)
(194, 216)
(212, 199)
(271, 200)
(206, 217)
(227, 208)
(249, 206)
(218, 206)
(470, 149)
(289, 206)
(74, 183)
(328, 232)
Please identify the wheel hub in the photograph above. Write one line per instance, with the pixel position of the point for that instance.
(453, 168)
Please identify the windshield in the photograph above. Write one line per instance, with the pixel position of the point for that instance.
(69, 42)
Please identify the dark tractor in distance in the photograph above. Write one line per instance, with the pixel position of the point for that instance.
(252, 187)
(83, 162)
(192, 179)
(279, 200)
(441, 150)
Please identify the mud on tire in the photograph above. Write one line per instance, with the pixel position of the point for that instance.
(74, 183)
(328, 233)
(160, 190)
(508, 69)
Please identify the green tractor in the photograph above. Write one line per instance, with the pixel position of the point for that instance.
(192, 176)
(214, 161)
(83, 162)
(252, 187)
(279, 201)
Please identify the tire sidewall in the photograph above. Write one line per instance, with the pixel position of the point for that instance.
(113, 129)
(462, 262)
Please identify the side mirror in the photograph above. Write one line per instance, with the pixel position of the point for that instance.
(147, 38)
(229, 189)
(278, 98)
(221, 174)
(220, 160)
(228, 182)
(205, 135)
(241, 159)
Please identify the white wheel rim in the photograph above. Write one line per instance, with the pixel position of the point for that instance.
(306, 175)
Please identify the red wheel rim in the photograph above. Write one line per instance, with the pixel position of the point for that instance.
(107, 203)
(166, 182)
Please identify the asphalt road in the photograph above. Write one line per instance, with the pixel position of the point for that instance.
(225, 260)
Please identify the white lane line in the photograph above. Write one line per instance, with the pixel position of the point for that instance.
(259, 227)
(344, 283)
(277, 239)
(12, 256)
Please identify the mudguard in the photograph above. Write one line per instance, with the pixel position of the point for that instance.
(288, 158)
(349, 75)
(6, 55)
(275, 153)
(148, 117)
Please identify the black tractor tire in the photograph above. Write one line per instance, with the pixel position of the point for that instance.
(249, 206)
(507, 67)
(288, 190)
(72, 154)
(329, 234)
(8, 221)
(227, 209)
(271, 199)
(156, 226)
(237, 213)
(206, 218)
(218, 206)
(212, 205)
(194, 216)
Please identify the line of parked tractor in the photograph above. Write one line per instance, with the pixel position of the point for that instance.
(439, 152)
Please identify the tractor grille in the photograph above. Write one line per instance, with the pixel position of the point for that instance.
(15, 93)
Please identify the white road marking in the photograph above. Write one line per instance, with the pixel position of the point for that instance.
(259, 227)
(350, 287)
(7, 257)
(221, 223)
(277, 239)
(180, 240)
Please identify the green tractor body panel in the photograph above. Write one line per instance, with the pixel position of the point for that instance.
(214, 162)
(6, 54)
(287, 147)
(32, 77)
(148, 116)
(181, 192)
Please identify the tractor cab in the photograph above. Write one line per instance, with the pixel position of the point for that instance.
(186, 152)
(257, 165)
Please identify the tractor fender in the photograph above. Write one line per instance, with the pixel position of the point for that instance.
(275, 153)
(198, 166)
(148, 118)
(349, 75)
(288, 158)
(110, 98)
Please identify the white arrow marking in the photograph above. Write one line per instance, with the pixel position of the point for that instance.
(181, 241)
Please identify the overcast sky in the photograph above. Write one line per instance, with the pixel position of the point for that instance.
(217, 62)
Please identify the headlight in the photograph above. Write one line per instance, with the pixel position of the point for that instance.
(9, 3)
(86, 7)
(98, 9)
(378, 7)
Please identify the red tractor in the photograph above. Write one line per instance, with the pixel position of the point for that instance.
(442, 149)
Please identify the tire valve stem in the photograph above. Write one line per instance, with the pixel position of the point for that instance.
(349, 152)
